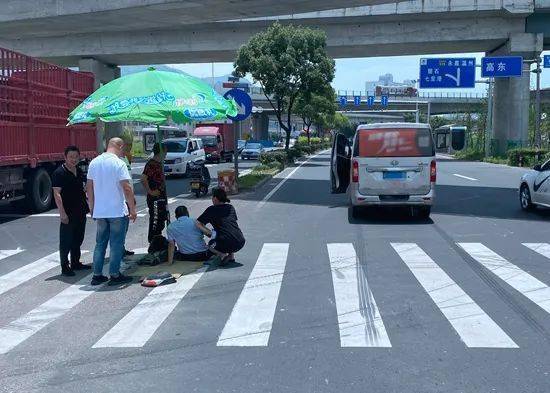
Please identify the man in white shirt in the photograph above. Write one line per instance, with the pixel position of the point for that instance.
(109, 190)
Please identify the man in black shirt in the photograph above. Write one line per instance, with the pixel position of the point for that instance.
(70, 198)
(227, 238)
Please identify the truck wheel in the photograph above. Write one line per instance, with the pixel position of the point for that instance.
(38, 189)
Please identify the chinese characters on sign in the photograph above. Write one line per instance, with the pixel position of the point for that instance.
(447, 72)
(501, 67)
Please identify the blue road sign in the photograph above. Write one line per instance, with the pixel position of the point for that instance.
(384, 100)
(501, 67)
(447, 72)
(370, 100)
(343, 100)
(546, 61)
(357, 100)
(243, 100)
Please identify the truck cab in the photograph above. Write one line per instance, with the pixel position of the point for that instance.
(217, 140)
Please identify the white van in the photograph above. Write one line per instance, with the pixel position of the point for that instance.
(180, 152)
(388, 164)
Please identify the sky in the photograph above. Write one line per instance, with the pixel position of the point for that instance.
(351, 74)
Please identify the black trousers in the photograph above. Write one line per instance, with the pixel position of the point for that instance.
(158, 215)
(197, 257)
(71, 236)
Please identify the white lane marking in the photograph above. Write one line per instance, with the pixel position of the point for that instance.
(24, 327)
(359, 320)
(252, 317)
(465, 177)
(541, 248)
(280, 184)
(532, 288)
(172, 200)
(473, 325)
(27, 272)
(137, 327)
(8, 253)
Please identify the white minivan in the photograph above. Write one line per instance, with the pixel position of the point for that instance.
(387, 164)
(180, 152)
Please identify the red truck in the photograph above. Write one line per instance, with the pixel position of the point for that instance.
(218, 140)
(35, 101)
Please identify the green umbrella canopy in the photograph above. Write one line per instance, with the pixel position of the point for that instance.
(154, 97)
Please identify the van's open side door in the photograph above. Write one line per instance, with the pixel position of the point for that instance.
(340, 162)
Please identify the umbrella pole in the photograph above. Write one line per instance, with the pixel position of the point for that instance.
(159, 136)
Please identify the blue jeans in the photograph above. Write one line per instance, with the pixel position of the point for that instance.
(110, 231)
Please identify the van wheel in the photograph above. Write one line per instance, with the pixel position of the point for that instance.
(356, 211)
(424, 212)
(38, 190)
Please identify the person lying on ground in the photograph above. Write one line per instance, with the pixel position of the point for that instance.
(228, 237)
(189, 238)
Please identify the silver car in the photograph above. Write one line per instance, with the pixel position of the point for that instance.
(534, 188)
(387, 164)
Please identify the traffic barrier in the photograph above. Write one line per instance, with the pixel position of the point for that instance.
(228, 181)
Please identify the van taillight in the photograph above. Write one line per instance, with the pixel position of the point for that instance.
(433, 172)
(355, 172)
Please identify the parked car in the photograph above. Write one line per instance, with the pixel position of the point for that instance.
(240, 145)
(388, 164)
(534, 188)
(252, 151)
(180, 152)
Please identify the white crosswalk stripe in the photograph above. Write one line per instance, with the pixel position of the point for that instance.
(137, 327)
(532, 288)
(541, 248)
(359, 320)
(252, 317)
(21, 329)
(471, 323)
(25, 273)
(8, 253)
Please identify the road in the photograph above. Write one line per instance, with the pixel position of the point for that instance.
(322, 302)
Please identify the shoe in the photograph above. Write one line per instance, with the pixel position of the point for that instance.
(120, 279)
(80, 266)
(226, 262)
(128, 253)
(213, 261)
(96, 280)
(67, 272)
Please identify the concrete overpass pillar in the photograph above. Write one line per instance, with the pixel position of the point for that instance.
(103, 74)
(260, 126)
(512, 95)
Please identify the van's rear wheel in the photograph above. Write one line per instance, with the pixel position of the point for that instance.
(356, 211)
(38, 190)
(424, 212)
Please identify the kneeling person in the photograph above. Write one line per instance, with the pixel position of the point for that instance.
(186, 234)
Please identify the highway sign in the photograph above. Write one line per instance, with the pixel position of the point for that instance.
(370, 100)
(357, 100)
(501, 67)
(243, 100)
(233, 85)
(343, 100)
(447, 72)
(546, 61)
(384, 100)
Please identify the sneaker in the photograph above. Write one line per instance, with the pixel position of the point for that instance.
(120, 279)
(80, 266)
(213, 261)
(128, 253)
(67, 272)
(96, 280)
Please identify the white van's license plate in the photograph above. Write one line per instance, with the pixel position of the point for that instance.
(394, 175)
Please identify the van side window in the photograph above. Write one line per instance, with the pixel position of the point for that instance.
(190, 147)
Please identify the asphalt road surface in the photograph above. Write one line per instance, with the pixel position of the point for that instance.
(318, 302)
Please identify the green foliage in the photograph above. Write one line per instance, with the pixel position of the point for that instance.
(526, 156)
(137, 149)
(469, 154)
(316, 108)
(288, 61)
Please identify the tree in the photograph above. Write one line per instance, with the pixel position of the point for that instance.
(315, 108)
(287, 61)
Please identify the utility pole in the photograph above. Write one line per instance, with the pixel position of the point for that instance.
(489, 120)
(537, 70)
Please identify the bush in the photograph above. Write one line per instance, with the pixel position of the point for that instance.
(526, 156)
(469, 154)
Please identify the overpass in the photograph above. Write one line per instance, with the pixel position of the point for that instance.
(97, 36)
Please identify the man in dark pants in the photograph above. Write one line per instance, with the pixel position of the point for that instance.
(154, 183)
(70, 198)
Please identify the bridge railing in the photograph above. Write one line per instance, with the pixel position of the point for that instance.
(436, 94)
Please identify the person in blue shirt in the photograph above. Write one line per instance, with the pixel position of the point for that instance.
(188, 237)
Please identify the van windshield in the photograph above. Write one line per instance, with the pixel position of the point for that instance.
(394, 142)
(176, 147)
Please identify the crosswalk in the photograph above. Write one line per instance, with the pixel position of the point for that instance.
(359, 318)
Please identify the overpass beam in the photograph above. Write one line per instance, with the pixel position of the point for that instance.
(512, 95)
(103, 73)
